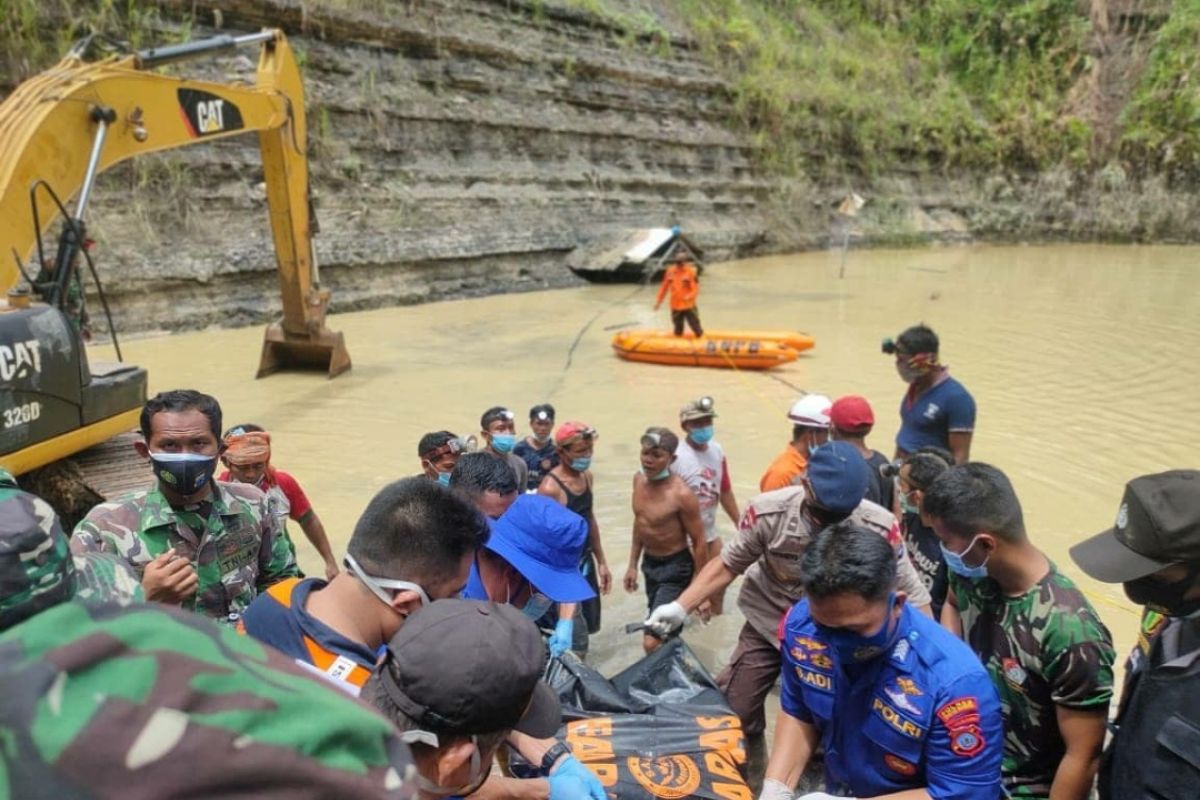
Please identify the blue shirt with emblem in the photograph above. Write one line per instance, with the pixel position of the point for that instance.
(923, 715)
(929, 419)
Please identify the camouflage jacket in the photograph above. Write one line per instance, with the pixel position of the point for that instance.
(152, 702)
(1043, 649)
(240, 553)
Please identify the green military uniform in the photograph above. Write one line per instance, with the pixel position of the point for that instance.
(1043, 649)
(152, 702)
(37, 570)
(232, 540)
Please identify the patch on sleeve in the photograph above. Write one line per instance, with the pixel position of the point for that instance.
(967, 742)
(959, 713)
(897, 764)
(894, 538)
(748, 519)
(1014, 673)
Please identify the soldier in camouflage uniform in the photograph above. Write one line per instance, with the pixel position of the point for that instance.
(1049, 655)
(151, 702)
(207, 546)
(37, 570)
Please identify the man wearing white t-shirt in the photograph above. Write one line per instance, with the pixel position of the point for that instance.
(700, 462)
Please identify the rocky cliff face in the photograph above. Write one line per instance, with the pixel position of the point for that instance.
(458, 147)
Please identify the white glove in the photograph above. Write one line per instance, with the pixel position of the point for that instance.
(774, 790)
(667, 618)
(819, 796)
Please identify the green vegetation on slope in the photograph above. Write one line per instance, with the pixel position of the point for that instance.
(1162, 120)
(893, 84)
(829, 87)
(36, 33)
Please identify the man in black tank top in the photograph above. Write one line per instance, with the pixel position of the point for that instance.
(570, 483)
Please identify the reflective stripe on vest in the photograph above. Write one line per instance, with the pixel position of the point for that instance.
(332, 664)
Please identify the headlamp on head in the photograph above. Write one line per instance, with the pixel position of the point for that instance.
(451, 447)
(889, 346)
(705, 403)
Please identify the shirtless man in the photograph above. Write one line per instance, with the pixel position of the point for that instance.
(666, 525)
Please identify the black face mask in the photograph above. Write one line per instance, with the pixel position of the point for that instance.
(185, 473)
(1165, 598)
(821, 518)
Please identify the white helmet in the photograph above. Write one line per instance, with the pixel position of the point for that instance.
(812, 410)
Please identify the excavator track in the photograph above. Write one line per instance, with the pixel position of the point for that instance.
(73, 486)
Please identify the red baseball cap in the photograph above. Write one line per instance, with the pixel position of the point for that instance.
(851, 412)
(573, 431)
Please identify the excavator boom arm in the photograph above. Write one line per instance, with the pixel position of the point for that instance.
(49, 128)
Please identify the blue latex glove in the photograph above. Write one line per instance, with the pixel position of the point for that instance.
(577, 782)
(560, 640)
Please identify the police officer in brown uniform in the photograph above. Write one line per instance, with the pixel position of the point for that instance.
(772, 538)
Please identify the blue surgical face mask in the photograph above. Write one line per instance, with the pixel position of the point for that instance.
(853, 647)
(954, 561)
(658, 476)
(443, 478)
(503, 442)
(907, 505)
(581, 464)
(701, 435)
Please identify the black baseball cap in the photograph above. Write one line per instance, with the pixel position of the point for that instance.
(1158, 524)
(468, 668)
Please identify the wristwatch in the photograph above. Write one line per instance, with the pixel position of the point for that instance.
(553, 755)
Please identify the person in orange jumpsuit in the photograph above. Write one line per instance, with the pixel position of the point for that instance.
(681, 281)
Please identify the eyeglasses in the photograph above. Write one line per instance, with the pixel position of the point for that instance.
(378, 585)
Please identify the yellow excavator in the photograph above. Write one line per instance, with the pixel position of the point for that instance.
(58, 132)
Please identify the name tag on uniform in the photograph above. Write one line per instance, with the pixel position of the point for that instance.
(815, 679)
(340, 668)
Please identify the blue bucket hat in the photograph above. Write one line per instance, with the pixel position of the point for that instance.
(544, 542)
(839, 476)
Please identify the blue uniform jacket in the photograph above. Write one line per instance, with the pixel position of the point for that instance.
(923, 715)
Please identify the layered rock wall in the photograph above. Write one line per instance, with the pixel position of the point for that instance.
(458, 147)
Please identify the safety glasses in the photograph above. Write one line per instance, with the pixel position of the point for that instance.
(378, 586)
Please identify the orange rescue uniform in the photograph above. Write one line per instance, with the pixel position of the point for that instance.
(783, 471)
(681, 281)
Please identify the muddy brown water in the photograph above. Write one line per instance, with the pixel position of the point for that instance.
(1082, 360)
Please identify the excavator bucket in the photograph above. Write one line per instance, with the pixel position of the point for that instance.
(320, 349)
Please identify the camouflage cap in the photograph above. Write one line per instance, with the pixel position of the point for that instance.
(36, 570)
(150, 701)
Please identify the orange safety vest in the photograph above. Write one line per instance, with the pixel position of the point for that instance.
(335, 665)
(681, 281)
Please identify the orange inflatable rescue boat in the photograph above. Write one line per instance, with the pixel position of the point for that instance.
(729, 349)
